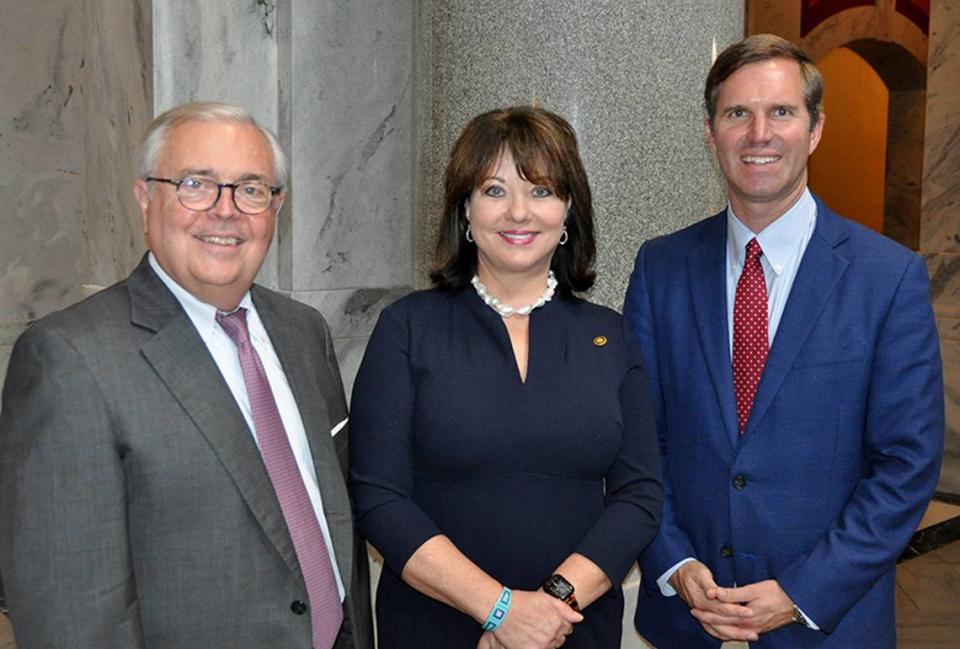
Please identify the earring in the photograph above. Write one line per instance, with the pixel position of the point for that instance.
(564, 237)
(469, 235)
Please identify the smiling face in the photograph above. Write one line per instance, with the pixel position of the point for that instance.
(762, 139)
(516, 224)
(214, 254)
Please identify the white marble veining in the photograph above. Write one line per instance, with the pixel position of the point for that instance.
(116, 93)
(73, 104)
(351, 125)
(940, 229)
(351, 312)
(42, 161)
(219, 51)
(940, 215)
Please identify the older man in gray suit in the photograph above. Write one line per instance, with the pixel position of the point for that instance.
(172, 449)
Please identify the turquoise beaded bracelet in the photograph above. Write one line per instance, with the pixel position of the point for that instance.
(499, 612)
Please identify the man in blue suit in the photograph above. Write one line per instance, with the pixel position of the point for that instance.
(796, 373)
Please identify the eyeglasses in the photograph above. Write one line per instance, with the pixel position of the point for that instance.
(199, 194)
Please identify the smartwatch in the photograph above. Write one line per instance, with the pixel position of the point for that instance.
(557, 586)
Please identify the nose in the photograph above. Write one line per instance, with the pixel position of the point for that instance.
(225, 207)
(760, 130)
(518, 208)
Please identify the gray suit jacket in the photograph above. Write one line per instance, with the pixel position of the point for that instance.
(135, 510)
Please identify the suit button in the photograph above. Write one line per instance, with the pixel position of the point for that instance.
(739, 483)
(726, 552)
(298, 607)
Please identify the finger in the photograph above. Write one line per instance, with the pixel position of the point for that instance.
(720, 620)
(727, 610)
(735, 595)
(570, 615)
(731, 632)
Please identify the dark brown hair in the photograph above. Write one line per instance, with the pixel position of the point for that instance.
(763, 47)
(544, 148)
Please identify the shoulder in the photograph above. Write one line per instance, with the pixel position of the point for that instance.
(589, 321)
(582, 310)
(422, 305)
(864, 249)
(293, 312)
(666, 255)
(95, 317)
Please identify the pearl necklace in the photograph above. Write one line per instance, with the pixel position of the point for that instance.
(507, 311)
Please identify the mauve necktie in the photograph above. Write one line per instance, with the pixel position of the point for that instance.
(326, 613)
(751, 340)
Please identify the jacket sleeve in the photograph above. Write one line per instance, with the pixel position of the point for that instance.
(382, 446)
(903, 446)
(671, 543)
(64, 551)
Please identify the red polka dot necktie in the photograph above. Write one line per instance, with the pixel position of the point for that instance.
(750, 332)
(326, 612)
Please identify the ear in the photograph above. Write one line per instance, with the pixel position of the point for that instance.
(711, 140)
(279, 200)
(817, 132)
(466, 209)
(142, 194)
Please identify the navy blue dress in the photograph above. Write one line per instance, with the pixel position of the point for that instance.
(447, 439)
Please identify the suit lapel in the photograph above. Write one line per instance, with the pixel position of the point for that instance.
(180, 358)
(299, 354)
(820, 270)
(706, 265)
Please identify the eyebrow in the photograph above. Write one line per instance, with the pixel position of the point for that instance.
(210, 173)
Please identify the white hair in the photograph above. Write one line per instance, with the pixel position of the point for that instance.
(208, 111)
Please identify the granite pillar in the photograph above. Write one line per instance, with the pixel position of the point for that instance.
(940, 212)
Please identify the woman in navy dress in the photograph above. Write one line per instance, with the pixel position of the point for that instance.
(504, 458)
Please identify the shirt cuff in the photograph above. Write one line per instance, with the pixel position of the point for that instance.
(810, 623)
(664, 580)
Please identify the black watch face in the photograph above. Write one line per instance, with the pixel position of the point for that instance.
(558, 587)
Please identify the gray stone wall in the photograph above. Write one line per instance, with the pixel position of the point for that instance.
(627, 75)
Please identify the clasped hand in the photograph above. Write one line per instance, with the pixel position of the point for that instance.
(741, 613)
(535, 621)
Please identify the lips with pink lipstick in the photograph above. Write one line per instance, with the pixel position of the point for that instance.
(518, 237)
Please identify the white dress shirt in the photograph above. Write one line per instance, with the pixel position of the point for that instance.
(783, 243)
(224, 353)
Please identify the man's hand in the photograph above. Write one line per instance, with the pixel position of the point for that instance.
(772, 608)
(722, 619)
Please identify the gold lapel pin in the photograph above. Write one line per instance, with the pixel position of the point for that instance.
(600, 341)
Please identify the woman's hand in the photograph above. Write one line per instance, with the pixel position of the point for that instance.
(535, 621)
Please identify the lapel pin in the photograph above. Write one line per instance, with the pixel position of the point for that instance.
(600, 341)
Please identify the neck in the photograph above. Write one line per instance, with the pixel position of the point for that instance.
(514, 289)
(757, 216)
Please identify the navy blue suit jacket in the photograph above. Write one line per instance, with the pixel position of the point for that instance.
(843, 446)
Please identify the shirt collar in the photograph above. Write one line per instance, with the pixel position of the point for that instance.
(200, 313)
(778, 240)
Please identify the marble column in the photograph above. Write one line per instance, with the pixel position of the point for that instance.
(71, 111)
(334, 81)
(615, 71)
(940, 212)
